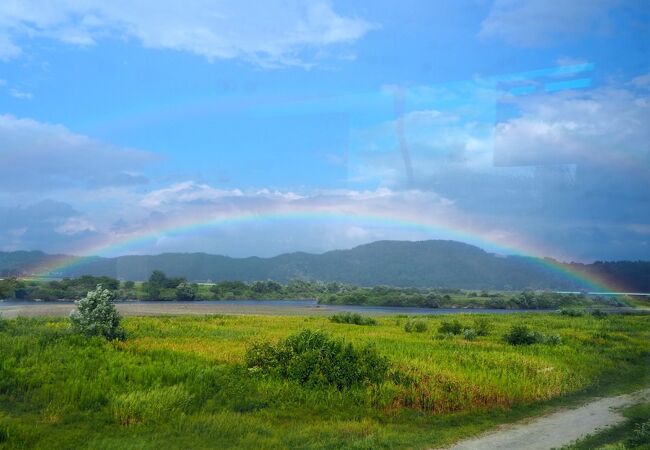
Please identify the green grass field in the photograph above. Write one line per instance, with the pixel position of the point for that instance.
(181, 382)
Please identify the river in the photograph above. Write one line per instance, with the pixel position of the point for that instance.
(13, 308)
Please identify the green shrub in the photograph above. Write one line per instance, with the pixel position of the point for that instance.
(553, 339)
(453, 327)
(640, 436)
(522, 335)
(415, 325)
(352, 318)
(96, 315)
(150, 406)
(482, 326)
(314, 359)
(469, 334)
(597, 313)
(571, 312)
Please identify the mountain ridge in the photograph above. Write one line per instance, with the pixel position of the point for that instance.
(430, 263)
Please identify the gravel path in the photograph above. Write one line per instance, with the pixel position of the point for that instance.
(557, 429)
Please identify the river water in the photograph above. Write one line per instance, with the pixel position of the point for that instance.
(13, 308)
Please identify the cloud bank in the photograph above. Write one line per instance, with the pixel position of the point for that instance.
(534, 23)
(39, 156)
(270, 33)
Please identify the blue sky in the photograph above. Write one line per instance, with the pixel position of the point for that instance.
(518, 125)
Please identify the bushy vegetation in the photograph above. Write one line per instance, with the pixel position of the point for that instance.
(640, 435)
(162, 287)
(185, 292)
(96, 315)
(538, 300)
(469, 334)
(599, 314)
(416, 325)
(159, 286)
(572, 312)
(482, 326)
(60, 389)
(523, 335)
(352, 318)
(312, 358)
(453, 327)
(67, 288)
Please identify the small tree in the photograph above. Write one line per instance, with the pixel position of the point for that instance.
(96, 315)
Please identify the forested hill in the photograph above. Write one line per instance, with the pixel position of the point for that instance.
(433, 263)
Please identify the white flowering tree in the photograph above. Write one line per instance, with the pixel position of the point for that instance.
(96, 315)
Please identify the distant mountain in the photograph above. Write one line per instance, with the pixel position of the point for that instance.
(433, 263)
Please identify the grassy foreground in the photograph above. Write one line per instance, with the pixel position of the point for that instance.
(181, 382)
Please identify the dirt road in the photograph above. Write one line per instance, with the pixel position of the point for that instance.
(557, 429)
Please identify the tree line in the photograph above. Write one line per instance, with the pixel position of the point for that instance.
(160, 287)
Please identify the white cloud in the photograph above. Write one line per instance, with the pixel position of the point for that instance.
(285, 220)
(189, 192)
(570, 61)
(75, 225)
(606, 127)
(537, 22)
(452, 131)
(8, 50)
(186, 192)
(448, 127)
(20, 94)
(41, 156)
(267, 33)
(357, 232)
(190, 199)
(273, 221)
(642, 81)
(266, 222)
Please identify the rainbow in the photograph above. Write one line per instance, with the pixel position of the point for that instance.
(122, 243)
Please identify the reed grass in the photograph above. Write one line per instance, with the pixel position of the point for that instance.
(181, 382)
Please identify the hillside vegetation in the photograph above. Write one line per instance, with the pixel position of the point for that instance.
(435, 263)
